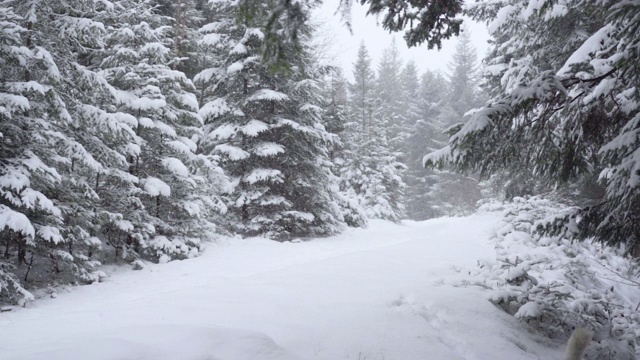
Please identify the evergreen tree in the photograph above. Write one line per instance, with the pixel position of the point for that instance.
(390, 97)
(186, 18)
(267, 129)
(422, 21)
(371, 172)
(336, 102)
(362, 95)
(564, 107)
(426, 136)
(335, 120)
(26, 172)
(463, 92)
(62, 141)
(411, 100)
(453, 193)
(167, 214)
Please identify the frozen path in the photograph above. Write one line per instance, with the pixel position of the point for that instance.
(387, 292)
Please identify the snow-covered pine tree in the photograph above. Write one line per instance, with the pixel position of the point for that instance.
(336, 102)
(454, 193)
(267, 129)
(335, 120)
(167, 214)
(426, 136)
(362, 95)
(316, 189)
(410, 100)
(371, 172)
(26, 173)
(564, 106)
(66, 141)
(390, 97)
(463, 92)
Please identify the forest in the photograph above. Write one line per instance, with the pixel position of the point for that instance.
(139, 131)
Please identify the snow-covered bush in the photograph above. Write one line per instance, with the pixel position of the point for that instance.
(555, 284)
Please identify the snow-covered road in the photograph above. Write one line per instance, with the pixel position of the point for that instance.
(394, 292)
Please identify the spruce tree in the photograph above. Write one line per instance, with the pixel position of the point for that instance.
(371, 172)
(335, 119)
(464, 91)
(27, 171)
(166, 213)
(410, 102)
(564, 107)
(423, 21)
(390, 97)
(426, 136)
(67, 139)
(266, 127)
(187, 17)
(453, 193)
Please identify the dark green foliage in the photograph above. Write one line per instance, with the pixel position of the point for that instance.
(422, 20)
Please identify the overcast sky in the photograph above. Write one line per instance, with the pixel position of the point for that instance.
(344, 46)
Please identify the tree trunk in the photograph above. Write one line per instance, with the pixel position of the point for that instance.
(6, 250)
(26, 276)
(22, 253)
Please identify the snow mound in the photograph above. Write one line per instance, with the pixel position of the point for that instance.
(555, 284)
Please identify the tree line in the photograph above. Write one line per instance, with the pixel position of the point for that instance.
(563, 110)
(137, 129)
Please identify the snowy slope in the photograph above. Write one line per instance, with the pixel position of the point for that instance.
(386, 292)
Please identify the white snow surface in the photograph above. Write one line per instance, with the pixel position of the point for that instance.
(391, 291)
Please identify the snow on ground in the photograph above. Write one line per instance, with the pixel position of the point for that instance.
(393, 292)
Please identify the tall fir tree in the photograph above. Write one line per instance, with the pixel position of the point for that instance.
(166, 215)
(69, 138)
(390, 97)
(28, 170)
(187, 17)
(423, 21)
(453, 193)
(335, 120)
(464, 79)
(410, 101)
(426, 136)
(267, 129)
(371, 172)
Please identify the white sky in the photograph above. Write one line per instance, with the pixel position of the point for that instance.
(344, 46)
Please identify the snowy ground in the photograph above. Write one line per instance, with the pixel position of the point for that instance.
(394, 292)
